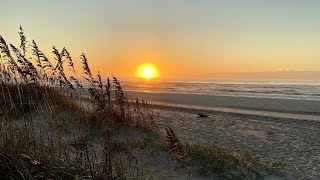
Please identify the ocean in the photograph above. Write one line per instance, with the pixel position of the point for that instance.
(281, 89)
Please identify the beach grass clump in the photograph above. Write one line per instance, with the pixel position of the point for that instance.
(211, 160)
(43, 115)
(152, 143)
(177, 150)
(21, 166)
(18, 99)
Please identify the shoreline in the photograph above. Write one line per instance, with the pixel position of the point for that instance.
(209, 110)
(215, 103)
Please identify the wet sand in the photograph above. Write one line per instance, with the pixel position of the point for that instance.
(248, 103)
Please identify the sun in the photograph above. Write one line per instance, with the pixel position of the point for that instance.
(147, 71)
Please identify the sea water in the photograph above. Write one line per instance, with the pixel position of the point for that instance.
(282, 89)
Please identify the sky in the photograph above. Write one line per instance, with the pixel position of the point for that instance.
(182, 38)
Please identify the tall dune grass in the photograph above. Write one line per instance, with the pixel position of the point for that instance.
(41, 120)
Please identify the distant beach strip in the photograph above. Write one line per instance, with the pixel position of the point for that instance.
(284, 108)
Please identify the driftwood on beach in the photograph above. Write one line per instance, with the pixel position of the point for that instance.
(200, 114)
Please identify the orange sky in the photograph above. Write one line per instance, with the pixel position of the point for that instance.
(182, 38)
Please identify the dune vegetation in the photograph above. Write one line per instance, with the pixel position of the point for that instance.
(59, 123)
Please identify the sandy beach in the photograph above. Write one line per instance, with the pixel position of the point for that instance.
(281, 130)
(248, 103)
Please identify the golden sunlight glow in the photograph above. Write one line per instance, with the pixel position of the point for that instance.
(147, 71)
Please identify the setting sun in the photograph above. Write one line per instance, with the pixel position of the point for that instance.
(147, 71)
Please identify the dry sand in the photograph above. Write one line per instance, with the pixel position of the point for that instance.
(275, 132)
